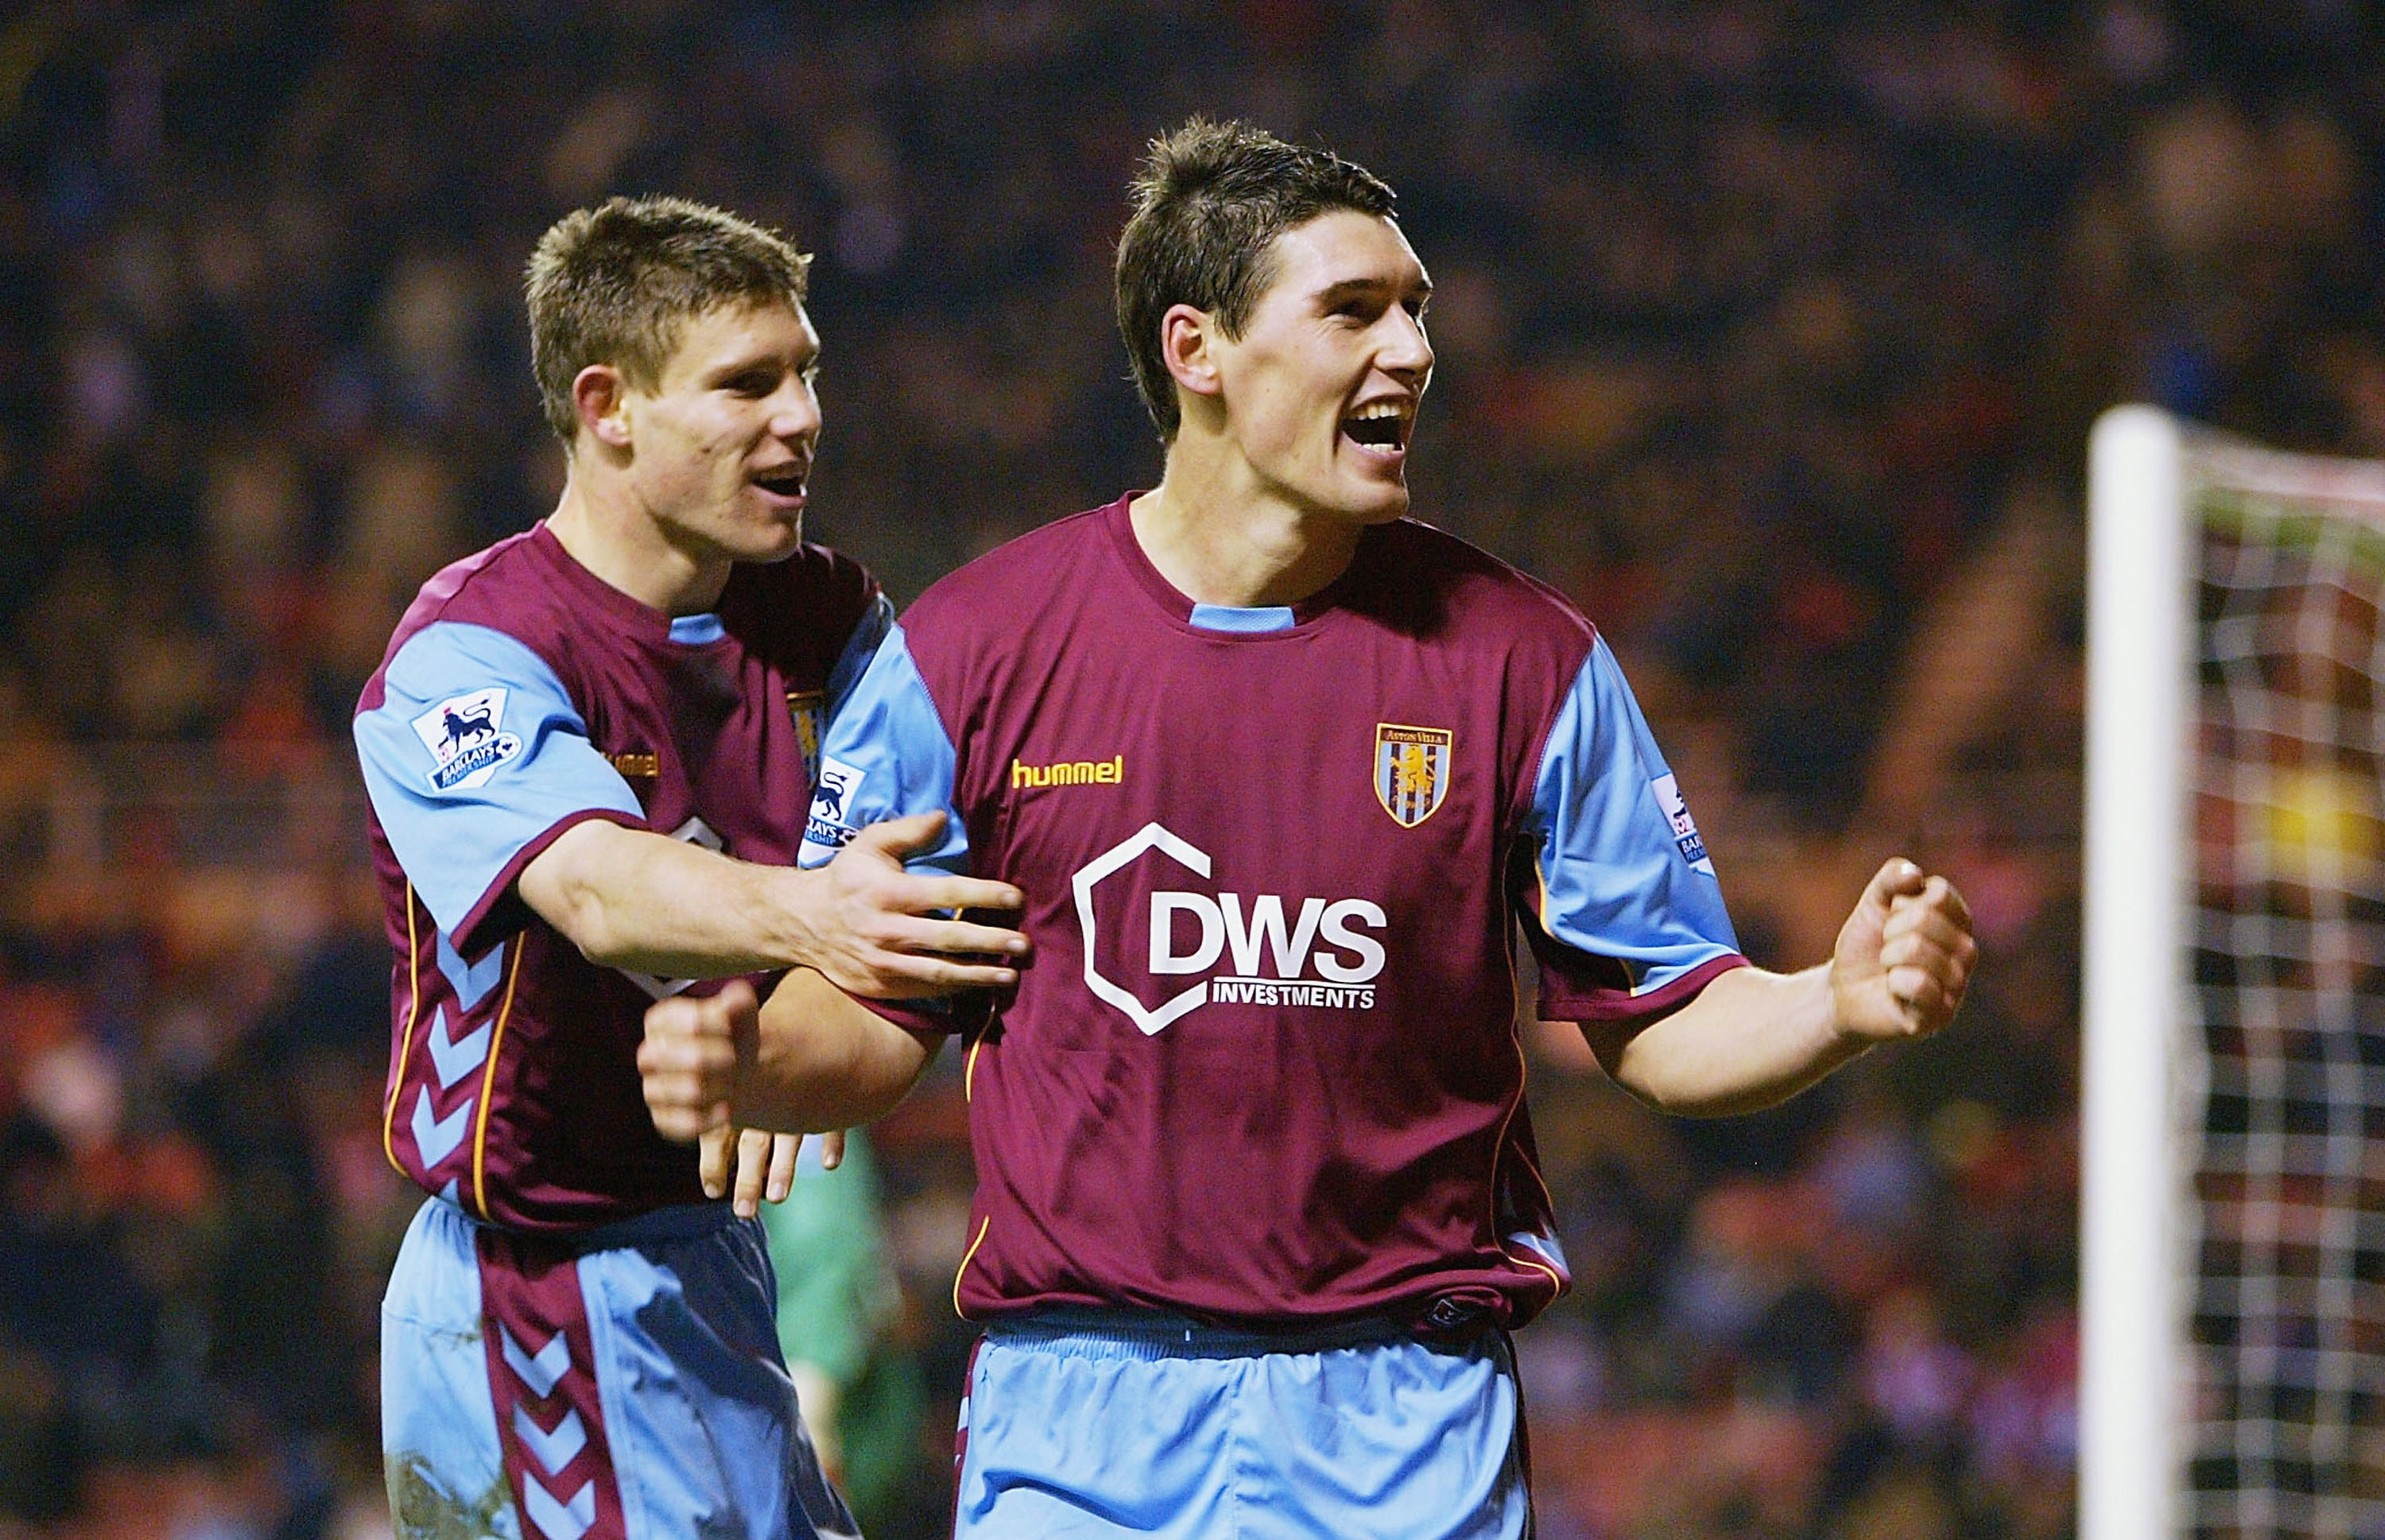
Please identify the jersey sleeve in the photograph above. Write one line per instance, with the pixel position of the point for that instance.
(1623, 908)
(475, 759)
(886, 755)
(869, 633)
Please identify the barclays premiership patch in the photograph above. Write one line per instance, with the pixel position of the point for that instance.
(829, 828)
(1685, 828)
(467, 738)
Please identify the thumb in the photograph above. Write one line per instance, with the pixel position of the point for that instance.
(897, 837)
(1897, 878)
(733, 1007)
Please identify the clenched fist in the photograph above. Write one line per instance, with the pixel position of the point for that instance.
(1903, 957)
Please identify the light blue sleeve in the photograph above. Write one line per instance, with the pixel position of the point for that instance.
(886, 755)
(1623, 873)
(476, 751)
(869, 633)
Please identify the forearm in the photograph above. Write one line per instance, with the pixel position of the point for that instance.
(825, 1061)
(634, 899)
(1750, 1040)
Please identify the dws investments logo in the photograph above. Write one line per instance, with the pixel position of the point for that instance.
(1319, 953)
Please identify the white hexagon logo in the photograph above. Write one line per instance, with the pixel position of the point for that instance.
(1151, 837)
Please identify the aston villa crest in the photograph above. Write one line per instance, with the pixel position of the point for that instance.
(807, 706)
(1411, 770)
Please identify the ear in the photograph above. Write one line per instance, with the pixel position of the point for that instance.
(598, 392)
(1186, 336)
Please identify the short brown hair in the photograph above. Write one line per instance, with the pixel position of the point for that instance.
(1208, 205)
(614, 284)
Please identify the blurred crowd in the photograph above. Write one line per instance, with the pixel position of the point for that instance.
(1769, 330)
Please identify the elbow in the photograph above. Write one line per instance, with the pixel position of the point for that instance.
(1646, 1071)
(849, 1103)
(585, 923)
(871, 1104)
(557, 888)
(842, 1068)
(596, 931)
(1647, 1078)
(880, 1085)
(1696, 1106)
(1681, 1096)
(1670, 1100)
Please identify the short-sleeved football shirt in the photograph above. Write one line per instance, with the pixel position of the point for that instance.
(1263, 1066)
(521, 695)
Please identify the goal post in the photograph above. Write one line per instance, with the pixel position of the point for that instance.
(2232, 1247)
(2132, 1171)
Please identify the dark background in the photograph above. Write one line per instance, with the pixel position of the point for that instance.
(1771, 332)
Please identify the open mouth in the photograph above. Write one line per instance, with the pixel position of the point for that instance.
(782, 481)
(1381, 425)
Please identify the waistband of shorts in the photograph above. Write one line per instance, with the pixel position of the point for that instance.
(684, 1222)
(1089, 1331)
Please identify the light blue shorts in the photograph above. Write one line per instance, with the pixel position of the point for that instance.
(622, 1385)
(1114, 1424)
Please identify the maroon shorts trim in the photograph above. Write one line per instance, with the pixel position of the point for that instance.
(543, 1379)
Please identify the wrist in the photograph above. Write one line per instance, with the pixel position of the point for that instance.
(1843, 1025)
(792, 903)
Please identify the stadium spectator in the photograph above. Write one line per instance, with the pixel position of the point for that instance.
(1714, 280)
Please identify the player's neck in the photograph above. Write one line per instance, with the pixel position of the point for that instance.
(1218, 542)
(602, 529)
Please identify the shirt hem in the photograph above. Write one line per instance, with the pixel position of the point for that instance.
(1613, 1006)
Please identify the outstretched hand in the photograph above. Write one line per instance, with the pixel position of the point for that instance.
(1903, 957)
(765, 1164)
(881, 931)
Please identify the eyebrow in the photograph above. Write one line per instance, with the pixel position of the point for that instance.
(1354, 288)
(805, 362)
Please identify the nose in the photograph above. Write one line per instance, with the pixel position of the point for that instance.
(795, 410)
(1407, 352)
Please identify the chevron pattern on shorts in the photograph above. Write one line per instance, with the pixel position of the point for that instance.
(540, 1372)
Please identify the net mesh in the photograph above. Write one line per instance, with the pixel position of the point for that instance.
(2288, 1328)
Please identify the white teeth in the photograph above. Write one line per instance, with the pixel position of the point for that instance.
(1377, 410)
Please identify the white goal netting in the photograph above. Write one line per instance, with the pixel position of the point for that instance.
(2287, 1435)
(2276, 1080)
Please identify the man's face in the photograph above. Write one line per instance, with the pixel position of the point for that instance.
(1322, 387)
(722, 447)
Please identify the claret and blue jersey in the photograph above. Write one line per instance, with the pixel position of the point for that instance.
(571, 1330)
(496, 722)
(1261, 1068)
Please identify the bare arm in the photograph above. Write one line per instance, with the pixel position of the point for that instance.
(1754, 1038)
(632, 898)
(811, 1058)
(824, 1060)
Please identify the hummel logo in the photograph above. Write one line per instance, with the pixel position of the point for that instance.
(1069, 772)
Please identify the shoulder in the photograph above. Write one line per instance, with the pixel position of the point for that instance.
(488, 587)
(1010, 584)
(814, 575)
(1464, 593)
(495, 589)
(803, 608)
